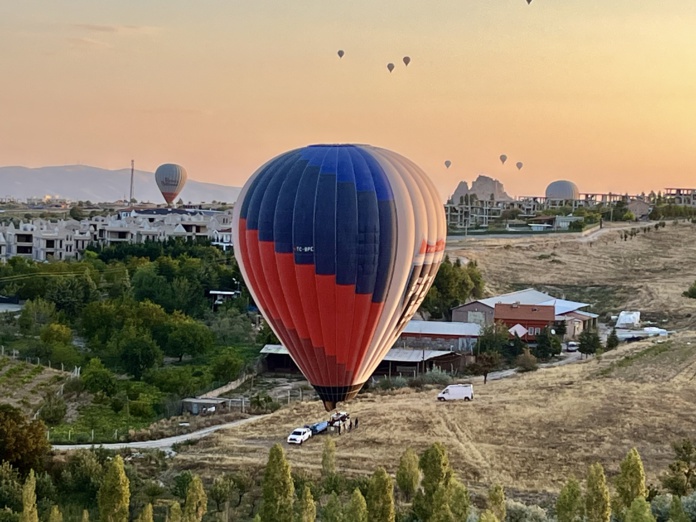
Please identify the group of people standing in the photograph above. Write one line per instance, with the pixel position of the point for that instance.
(348, 425)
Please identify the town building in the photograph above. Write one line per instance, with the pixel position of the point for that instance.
(43, 240)
(526, 321)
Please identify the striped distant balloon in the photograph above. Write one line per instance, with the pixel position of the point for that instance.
(339, 245)
(170, 180)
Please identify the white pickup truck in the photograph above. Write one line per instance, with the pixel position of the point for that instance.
(457, 392)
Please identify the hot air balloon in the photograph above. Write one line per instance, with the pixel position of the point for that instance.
(341, 53)
(390, 66)
(448, 163)
(529, 2)
(170, 180)
(519, 165)
(503, 159)
(338, 245)
(407, 60)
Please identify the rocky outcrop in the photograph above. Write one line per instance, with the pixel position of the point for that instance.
(483, 187)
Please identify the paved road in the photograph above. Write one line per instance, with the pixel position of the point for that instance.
(162, 444)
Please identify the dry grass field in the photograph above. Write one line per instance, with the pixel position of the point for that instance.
(24, 385)
(646, 273)
(529, 431)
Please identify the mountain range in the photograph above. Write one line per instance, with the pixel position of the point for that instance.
(85, 183)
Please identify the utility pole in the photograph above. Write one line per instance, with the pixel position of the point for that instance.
(131, 181)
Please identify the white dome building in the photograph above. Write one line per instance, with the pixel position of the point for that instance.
(562, 190)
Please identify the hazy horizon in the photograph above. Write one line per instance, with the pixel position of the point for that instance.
(598, 93)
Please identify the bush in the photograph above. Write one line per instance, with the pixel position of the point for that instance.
(53, 410)
(689, 504)
(392, 383)
(526, 362)
(660, 507)
(518, 512)
(434, 376)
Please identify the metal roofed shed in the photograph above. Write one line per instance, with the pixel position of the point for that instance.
(437, 328)
(436, 335)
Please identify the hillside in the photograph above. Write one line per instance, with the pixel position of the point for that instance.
(646, 273)
(24, 385)
(84, 183)
(529, 432)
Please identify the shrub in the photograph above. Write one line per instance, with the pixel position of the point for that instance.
(392, 383)
(660, 507)
(53, 410)
(689, 505)
(526, 362)
(518, 512)
(434, 376)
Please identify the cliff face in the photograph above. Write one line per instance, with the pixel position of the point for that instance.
(482, 187)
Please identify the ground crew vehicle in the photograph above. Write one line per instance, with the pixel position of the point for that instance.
(455, 392)
(299, 435)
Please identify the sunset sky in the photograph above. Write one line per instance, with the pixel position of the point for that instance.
(601, 92)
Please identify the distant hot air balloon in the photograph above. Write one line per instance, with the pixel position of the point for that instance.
(170, 180)
(503, 158)
(407, 60)
(338, 245)
(519, 165)
(529, 2)
(341, 53)
(448, 163)
(390, 66)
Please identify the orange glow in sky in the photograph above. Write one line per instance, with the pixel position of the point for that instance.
(599, 92)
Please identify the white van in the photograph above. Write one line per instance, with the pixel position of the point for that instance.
(457, 392)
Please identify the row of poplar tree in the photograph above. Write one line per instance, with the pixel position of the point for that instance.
(425, 485)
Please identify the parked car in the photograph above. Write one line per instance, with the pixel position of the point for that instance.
(318, 427)
(339, 416)
(455, 392)
(572, 346)
(299, 435)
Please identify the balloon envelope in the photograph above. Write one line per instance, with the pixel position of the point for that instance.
(340, 54)
(338, 245)
(519, 165)
(390, 66)
(407, 60)
(503, 159)
(170, 180)
(448, 163)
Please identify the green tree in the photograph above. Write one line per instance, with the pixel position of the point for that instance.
(589, 342)
(53, 409)
(441, 508)
(29, 511)
(77, 213)
(458, 499)
(496, 501)
(639, 511)
(356, 510)
(676, 511)
(486, 363)
(436, 472)
(196, 501)
(333, 511)
(307, 511)
(23, 444)
(114, 494)
(278, 488)
(453, 285)
(187, 337)
(548, 344)
(630, 484)
(328, 459)
(380, 497)
(181, 484)
(10, 487)
(71, 294)
(680, 479)
(137, 350)
(526, 362)
(55, 515)
(408, 474)
(569, 505)
(597, 500)
(221, 490)
(175, 514)
(56, 333)
(145, 514)
(226, 367)
(488, 516)
(98, 379)
(36, 314)
(612, 340)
